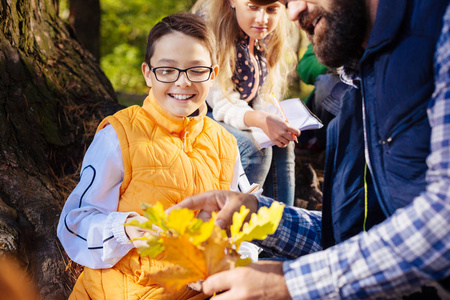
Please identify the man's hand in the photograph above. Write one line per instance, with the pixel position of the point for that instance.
(263, 280)
(226, 203)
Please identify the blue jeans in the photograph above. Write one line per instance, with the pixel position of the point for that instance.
(280, 182)
(272, 168)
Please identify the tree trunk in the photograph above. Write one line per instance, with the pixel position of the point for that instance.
(85, 19)
(52, 96)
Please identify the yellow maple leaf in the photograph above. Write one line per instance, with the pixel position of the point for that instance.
(215, 252)
(188, 263)
(202, 230)
(155, 245)
(263, 223)
(156, 216)
(238, 220)
(180, 220)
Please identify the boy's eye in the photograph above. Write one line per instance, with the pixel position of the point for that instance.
(199, 71)
(166, 71)
(253, 7)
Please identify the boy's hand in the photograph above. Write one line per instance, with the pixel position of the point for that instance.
(226, 203)
(134, 232)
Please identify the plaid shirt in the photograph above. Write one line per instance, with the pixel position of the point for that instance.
(394, 258)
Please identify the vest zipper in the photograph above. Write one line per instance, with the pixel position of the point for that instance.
(419, 114)
(366, 200)
(367, 154)
(185, 136)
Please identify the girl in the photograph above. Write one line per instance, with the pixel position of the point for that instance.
(163, 152)
(252, 51)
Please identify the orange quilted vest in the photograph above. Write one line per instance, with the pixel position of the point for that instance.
(166, 159)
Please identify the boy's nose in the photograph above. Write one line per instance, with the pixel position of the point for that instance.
(183, 80)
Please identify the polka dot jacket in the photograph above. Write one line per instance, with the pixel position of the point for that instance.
(245, 72)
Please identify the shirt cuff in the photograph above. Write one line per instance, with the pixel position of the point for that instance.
(309, 277)
(238, 118)
(264, 201)
(118, 228)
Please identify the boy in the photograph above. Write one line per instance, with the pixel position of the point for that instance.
(163, 152)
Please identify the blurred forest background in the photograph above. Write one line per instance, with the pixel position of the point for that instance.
(124, 27)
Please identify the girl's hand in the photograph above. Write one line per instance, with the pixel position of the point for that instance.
(278, 130)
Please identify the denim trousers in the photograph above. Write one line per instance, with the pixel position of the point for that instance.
(272, 168)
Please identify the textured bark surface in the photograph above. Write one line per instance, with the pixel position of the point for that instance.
(52, 96)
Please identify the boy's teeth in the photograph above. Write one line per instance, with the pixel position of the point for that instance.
(182, 97)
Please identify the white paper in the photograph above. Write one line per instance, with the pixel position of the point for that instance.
(298, 116)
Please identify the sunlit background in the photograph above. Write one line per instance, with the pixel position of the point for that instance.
(124, 28)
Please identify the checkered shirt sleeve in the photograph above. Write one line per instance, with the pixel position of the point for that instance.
(299, 232)
(409, 249)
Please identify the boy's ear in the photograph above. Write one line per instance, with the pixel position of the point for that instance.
(146, 72)
(215, 72)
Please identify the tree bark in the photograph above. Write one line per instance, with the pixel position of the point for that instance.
(52, 96)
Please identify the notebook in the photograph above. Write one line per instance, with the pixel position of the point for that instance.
(298, 116)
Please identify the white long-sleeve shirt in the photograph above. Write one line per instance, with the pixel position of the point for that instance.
(90, 228)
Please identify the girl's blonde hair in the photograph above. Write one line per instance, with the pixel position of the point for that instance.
(279, 54)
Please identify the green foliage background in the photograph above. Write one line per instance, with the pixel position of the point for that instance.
(124, 29)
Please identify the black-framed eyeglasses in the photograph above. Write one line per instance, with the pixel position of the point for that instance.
(171, 74)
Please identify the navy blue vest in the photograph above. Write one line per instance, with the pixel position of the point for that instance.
(397, 83)
(384, 123)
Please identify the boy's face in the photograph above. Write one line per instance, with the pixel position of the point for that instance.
(182, 97)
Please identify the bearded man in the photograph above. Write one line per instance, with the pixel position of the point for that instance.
(385, 223)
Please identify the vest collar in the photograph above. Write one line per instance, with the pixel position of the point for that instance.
(388, 21)
(177, 126)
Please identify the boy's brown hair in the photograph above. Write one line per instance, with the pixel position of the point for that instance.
(186, 23)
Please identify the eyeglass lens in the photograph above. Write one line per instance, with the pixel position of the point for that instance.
(194, 74)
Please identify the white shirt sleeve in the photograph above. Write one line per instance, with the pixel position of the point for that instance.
(90, 228)
(230, 111)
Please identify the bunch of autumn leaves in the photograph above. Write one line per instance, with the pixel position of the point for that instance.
(196, 249)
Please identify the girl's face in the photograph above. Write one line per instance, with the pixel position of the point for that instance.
(182, 97)
(257, 21)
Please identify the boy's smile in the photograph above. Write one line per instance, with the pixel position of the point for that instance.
(176, 50)
(181, 96)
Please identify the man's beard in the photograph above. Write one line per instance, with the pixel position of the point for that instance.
(341, 36)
